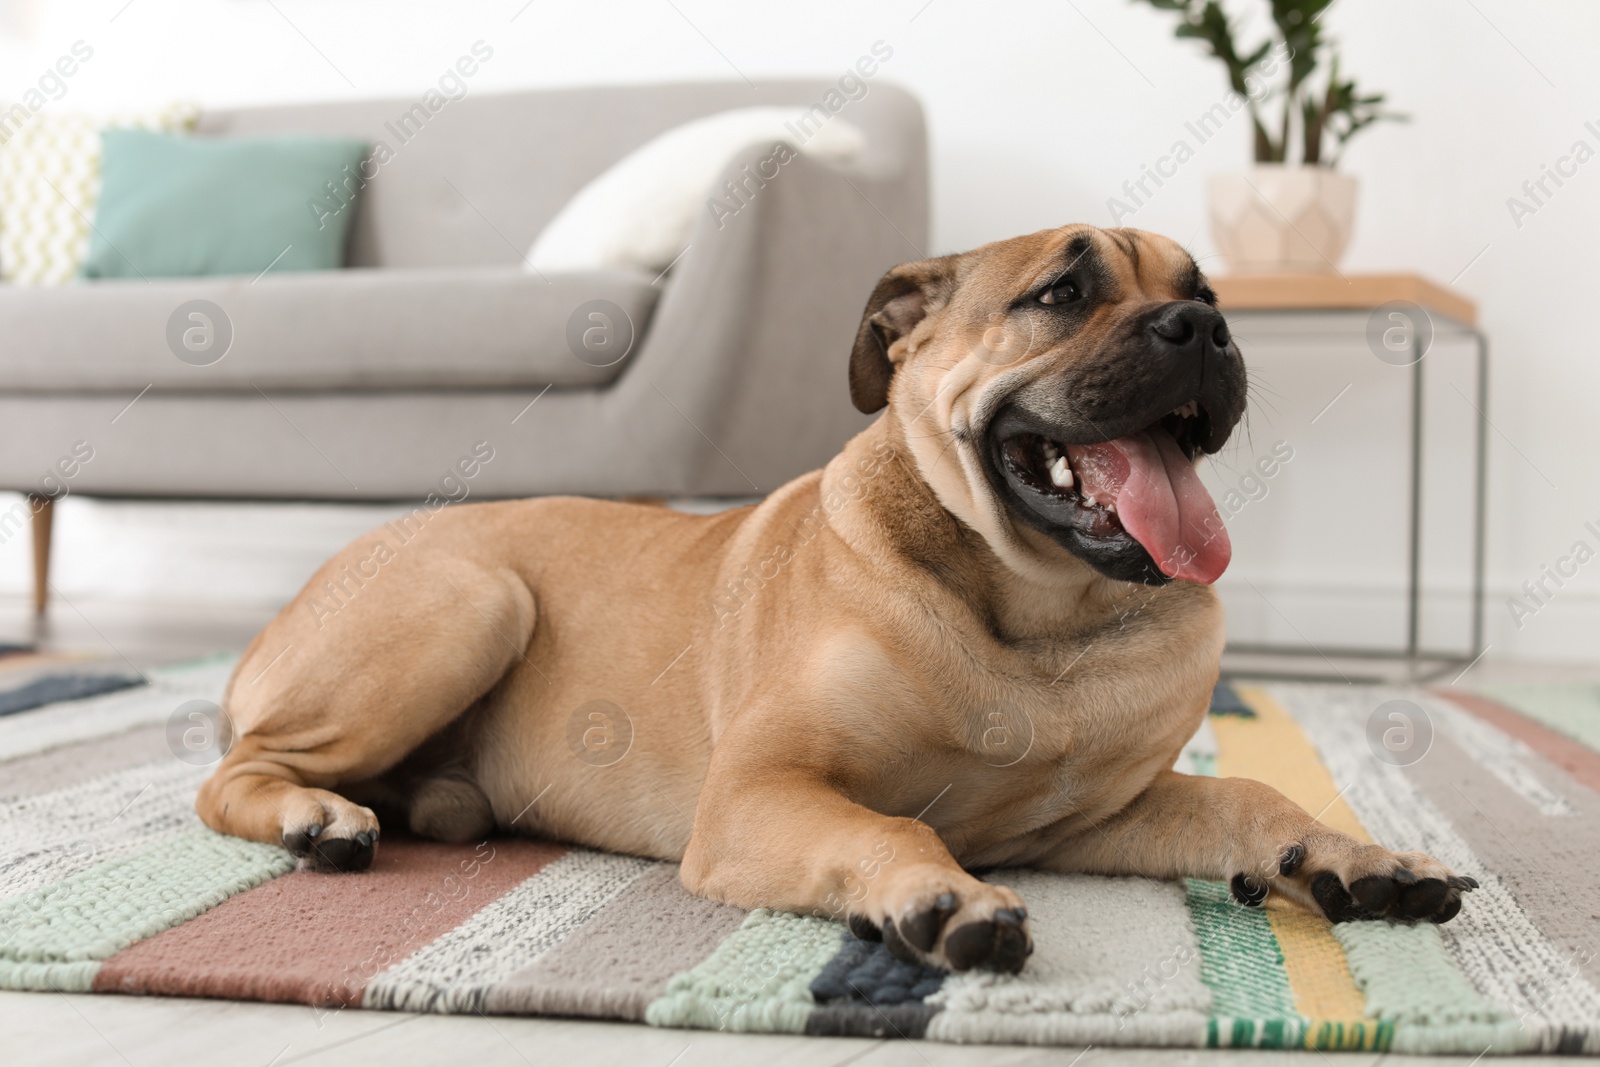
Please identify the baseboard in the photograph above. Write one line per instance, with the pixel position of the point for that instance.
(258, 555)
(1319, 614)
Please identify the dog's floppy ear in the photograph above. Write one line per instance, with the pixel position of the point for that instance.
(900, 300)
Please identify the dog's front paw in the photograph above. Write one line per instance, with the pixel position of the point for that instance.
(1347, 880)
(950, 920)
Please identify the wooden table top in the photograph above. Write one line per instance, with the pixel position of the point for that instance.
(1288, 292)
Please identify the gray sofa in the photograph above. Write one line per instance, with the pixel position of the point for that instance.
(370, 383)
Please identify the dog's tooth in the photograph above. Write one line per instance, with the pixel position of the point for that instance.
(1061, 473)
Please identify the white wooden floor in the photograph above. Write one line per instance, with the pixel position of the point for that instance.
(71, 1029)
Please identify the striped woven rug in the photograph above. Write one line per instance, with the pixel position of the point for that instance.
(109, 883)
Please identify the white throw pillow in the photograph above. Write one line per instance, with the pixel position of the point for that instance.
(638, 215)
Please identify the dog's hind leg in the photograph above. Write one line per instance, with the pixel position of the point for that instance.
(326, 699)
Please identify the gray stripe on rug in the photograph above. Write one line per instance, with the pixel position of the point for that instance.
(49, 836)
(1552, 866)
(53, 725)
(622, 958)
(76, 763)
(1507, 758)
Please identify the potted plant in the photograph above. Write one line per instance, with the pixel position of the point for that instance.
(1284, 214)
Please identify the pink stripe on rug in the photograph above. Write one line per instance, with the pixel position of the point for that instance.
(313, 938)
(1577, 759)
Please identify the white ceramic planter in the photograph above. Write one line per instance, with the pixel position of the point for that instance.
(1276, 218)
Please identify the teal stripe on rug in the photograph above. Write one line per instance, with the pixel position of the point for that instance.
(1570, 708)
(758, 979)
(55, 937)
(1411, 982)
(1240, 961)
(1252, 1003)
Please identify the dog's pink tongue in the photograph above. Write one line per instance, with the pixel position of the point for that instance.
(1159, 499)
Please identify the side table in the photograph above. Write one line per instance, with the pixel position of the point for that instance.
(1400, 317)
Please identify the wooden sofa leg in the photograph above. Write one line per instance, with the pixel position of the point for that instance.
(43, 509)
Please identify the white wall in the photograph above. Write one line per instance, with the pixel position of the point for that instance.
(1038, 114)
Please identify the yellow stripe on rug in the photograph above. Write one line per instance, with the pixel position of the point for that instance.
(1271, 748)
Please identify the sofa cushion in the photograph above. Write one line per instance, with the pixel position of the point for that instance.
(50, 186)
(173, 207)
(370, 330)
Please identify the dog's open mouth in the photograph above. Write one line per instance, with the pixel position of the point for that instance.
(1115, 498)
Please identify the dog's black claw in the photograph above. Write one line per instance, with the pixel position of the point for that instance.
(1405, 876)
(922, 929)
(1291, 858)
(1335, 901)
(1462, 882)
(1375, 893)
(1010, 916)
(364, 837)
(896, 945)
(1248, 891)
(864, 928)
(314, 829)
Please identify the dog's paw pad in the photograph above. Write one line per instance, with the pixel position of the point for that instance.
(343, 853)
(922, 928)
(997, 944)
(1333, 898)
(1399, 895)
(1248, 891)
(1426, 899)
(1375, 893)
(299, 842)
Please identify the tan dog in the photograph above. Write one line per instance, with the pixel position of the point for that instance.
(978, 638)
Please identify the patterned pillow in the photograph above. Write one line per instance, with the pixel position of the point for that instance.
(50, 184)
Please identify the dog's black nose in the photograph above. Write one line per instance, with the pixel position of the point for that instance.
(1187, 324)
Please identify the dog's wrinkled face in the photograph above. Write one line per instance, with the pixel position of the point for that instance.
(1056, 389)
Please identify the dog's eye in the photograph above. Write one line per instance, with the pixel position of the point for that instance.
(1206, 296)
(1062, 292)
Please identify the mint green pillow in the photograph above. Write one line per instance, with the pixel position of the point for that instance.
(175, 206)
